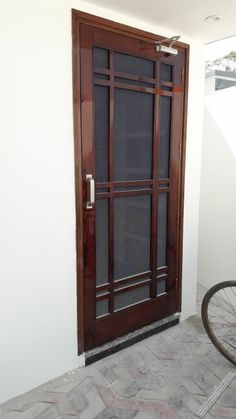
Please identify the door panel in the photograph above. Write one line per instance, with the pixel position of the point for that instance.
(162, 229)
(133, 134)
(132, 235)
(101, 132)
(129, 64)
(165, 136)
(102, 241)
(131, 116)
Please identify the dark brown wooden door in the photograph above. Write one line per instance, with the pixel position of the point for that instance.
(131, 118)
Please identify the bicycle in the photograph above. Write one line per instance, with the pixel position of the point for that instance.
(218, 312)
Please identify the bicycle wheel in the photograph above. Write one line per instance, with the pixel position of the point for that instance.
(219, 318)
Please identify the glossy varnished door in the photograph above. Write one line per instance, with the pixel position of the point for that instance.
(131, 118)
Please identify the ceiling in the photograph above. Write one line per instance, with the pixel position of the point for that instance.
(184, 17)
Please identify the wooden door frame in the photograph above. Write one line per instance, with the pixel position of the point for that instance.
(79, 17)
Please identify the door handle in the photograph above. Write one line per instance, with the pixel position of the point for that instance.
(91, 191)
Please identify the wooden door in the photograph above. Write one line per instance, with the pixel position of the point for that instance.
(131, 134)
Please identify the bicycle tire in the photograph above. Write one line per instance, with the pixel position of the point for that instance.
(210, 319)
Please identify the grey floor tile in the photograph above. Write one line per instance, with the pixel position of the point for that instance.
(167, 375)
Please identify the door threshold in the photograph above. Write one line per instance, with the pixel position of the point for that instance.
(131, 338)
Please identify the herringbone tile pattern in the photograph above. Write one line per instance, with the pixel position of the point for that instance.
(167, 376)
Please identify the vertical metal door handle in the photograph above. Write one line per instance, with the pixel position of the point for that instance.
(91, 194)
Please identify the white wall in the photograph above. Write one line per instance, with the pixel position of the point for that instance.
(192, 180)
(217, 243)
(210, 85)
(37, 211)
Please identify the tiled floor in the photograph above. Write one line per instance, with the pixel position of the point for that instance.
(166, 376)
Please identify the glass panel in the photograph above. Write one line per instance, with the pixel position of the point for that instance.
(102, 241)
(102, 307)
(133, 65)
(162, 229)
(101, 95)
(131, 235)
(133, 82)
(100, 58)
(133, 135)
(161, 286)
(165, 131)
(166, 72)
(101, 190)
(131, 297)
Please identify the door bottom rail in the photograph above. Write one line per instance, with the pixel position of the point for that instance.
(129, 339)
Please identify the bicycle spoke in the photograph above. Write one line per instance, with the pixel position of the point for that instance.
(222, 308)
(222, 325)
(219, 318)
(230, 302)
(229, 344)
(233, 291)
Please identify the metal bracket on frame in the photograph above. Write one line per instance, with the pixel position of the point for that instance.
(167, 48)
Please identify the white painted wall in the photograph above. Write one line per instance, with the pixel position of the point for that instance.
(217, 235)
(210, 85)
(192, 180)
(37, 211)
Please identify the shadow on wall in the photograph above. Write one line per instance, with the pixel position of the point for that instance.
(217, 231)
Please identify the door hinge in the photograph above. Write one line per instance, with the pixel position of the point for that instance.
(182, 75)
